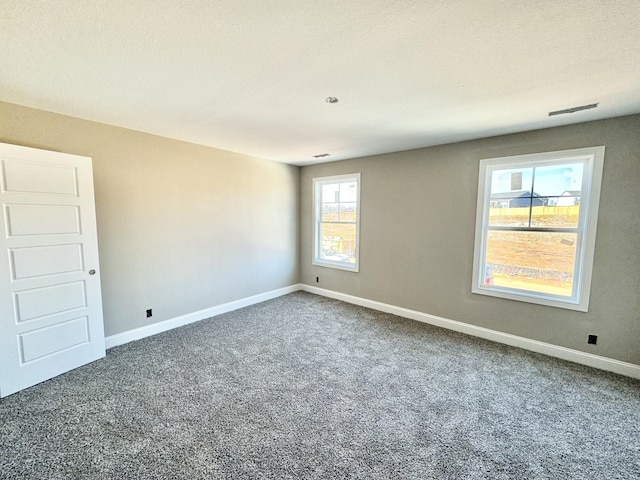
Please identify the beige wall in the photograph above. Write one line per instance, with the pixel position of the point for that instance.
(417, 235)
(181, 227)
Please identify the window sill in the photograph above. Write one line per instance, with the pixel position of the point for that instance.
(549, 301)
(349, 267)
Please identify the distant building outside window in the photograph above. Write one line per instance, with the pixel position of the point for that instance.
(536, 226)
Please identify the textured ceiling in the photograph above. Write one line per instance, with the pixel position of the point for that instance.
(252, 76)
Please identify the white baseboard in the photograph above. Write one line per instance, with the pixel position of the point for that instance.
(155, 328)
(584, 358)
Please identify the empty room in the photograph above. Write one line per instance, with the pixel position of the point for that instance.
(250, 239)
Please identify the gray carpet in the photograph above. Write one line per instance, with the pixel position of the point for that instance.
(304, 387)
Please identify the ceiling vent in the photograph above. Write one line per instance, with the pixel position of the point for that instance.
(573, 109)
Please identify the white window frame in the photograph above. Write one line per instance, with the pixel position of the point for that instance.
(593, 160)
(317, 215)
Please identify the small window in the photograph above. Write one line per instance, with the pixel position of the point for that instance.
(336, 212)
(536, 227)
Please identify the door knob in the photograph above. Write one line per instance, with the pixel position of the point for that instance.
(92, 272)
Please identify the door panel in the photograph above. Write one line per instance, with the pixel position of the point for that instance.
(50, 300)
(54, 339)
(39, 178)
(45, 260)
(39, 302)
(42, 219)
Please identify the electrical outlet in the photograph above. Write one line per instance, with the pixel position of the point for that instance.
(149, 313)
(592, 340)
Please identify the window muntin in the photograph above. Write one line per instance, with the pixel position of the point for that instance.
(535, 227)
(336, 214)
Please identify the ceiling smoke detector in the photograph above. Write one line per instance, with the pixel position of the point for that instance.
(574, 109)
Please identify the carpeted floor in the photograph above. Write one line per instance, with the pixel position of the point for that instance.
(304, 387)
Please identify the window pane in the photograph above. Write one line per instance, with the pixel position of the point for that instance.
(330, 193)
(347, 212)
(514, 180)
(555, 217)
(567, 199)
(330, 212)
(558, 180)
(338, 242)
(535, 261)
(348, 192)
(511, 190)
(509, 217)
(514, 199)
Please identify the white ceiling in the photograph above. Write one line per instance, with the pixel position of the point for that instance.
(252, 76)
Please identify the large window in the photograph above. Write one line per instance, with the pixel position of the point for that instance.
(536, 227)
(336, 212)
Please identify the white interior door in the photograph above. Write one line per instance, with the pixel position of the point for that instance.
(50, 300)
